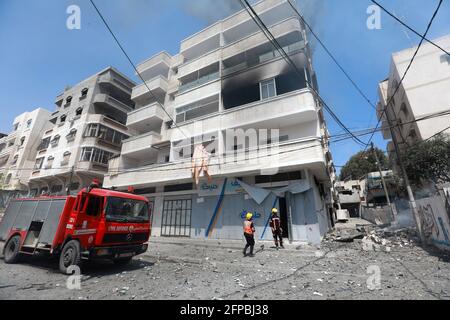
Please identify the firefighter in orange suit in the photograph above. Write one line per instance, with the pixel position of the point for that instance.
(249, 234)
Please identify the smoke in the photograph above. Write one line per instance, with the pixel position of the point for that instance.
(211, 11)
(314, 12)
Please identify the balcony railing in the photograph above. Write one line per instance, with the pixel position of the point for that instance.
(290, 49)
(201, 81)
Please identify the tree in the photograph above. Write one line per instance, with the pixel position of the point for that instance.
(428, 160)
(363, 163)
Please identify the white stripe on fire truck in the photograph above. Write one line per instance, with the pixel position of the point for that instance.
(86, 231)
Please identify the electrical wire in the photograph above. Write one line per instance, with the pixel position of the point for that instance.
(255, 17)
(332, 56)
(406, 72)
(134, 66)
(409, 28)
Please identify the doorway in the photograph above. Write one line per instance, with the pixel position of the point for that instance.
(284, 217)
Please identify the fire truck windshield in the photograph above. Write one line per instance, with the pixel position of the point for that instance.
(126, 210)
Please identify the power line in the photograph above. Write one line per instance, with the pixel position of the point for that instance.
(406, 71)
(286, 57)
(332, 56)
(409, 28)
(134, 66)
(339, 137)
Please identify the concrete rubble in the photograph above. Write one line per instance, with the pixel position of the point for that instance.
(178, 269)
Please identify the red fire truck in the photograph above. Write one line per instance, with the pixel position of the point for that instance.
(96, 224)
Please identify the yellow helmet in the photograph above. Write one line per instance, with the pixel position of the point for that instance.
(274, 210)
(249, 216)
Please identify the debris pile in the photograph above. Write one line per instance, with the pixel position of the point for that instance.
(386, 239)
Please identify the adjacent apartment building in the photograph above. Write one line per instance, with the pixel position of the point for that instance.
(18, 150)
(85, 131)
(229, 90)
(424, 92)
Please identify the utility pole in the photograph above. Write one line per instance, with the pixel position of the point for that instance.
(383, 181)
(412, 200)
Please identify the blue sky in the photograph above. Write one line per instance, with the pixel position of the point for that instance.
(39, 56)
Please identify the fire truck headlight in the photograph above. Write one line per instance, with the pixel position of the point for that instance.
(102, 252)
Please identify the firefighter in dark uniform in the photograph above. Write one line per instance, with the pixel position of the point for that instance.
(275, 225)
(249, 234)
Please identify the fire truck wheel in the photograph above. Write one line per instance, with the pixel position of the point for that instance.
(122, 261)
(70, 256)
(12, 248)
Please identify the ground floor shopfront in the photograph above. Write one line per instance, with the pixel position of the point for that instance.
(216, 210)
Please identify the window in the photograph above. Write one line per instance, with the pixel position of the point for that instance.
(197, 110)
(281, 177)
(22, 141)
(55, 140)
(8, 178)
(79, 112)
(94, 206)
(44, 144)
(63, 118)
(49, 162)
(11, 143)
(268, 89)
(68, 101)
(38, 164)
(84, 93)
(16, 126)
(66, 158)
(96, 130)
(404, 109)
(29, 122)
(96, 155)
(56, 189)
(15, 159)
(71, 135)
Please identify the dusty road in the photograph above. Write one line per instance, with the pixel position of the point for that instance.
(176, 269)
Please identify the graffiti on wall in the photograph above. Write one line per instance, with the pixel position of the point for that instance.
(435, 221)
(256, 215)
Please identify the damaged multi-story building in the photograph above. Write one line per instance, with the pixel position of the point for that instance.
(85, 131)
(226, 88)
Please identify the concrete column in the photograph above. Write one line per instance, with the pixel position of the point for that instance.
(157, 216)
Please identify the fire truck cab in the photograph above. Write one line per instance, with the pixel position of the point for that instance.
(96, 224)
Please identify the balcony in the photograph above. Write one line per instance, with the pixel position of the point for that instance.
(140, 147)
(111, 78)
(199, 63)
(147, 118)
(199, 82)
(158, 65)
(157, 85)
(291, 155)
(289, 109)
(108, 101)
(256, 39)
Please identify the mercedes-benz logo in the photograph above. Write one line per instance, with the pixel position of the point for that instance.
(129, 237)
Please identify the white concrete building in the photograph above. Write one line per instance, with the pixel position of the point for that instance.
(229, 77)
(18, 149)
(424, 91)
(87, 129)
